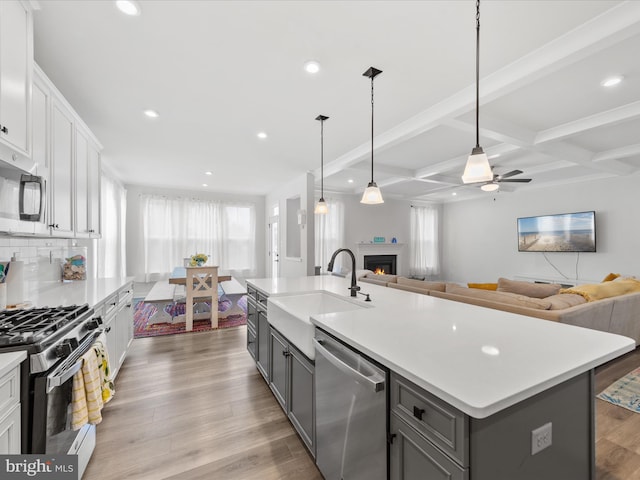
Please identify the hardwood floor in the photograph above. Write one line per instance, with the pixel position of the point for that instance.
(193, 406)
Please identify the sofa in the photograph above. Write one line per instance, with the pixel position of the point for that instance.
(579, 306)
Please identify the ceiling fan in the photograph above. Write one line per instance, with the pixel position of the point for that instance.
(493, 185)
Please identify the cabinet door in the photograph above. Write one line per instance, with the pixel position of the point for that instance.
(302, 397)
(279, 356)
(413, 457)
(124, 319)
(111, 326)
(81, 182)
(16, 61)
(263, 357)
(10, 432)
(94, 192)
(62, 171)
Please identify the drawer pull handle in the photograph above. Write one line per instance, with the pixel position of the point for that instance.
(418, 412)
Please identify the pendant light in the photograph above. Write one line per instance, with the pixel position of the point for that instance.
(321, 207)
(372, 194)
(477, 168)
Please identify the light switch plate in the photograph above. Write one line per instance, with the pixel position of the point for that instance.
(541, 438)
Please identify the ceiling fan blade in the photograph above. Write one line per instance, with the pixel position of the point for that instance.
(517, 180)
(510, 174)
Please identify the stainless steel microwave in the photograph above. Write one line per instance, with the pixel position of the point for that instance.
(22, 200)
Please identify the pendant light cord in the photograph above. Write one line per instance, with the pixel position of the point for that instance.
(372, 128)
(477, 73)
(322, 159)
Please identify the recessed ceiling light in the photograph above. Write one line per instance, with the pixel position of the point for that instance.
(205, 185)
(454, 194)
(208, 173)
(312, 66)
(611, 81)
(151, 113)
(350, 180)
(128, 7)
(262, 135)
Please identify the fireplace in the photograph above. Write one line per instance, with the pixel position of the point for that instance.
(381, 263)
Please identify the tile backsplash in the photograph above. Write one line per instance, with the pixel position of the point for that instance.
(41, 256)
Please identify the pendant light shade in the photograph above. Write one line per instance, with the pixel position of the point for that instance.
(477, 168)
(372, 194)
(321, 206)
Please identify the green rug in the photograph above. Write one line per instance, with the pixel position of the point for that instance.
(624, 392)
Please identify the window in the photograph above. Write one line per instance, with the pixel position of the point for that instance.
(424, 250)
(329, 235)
(176, 228)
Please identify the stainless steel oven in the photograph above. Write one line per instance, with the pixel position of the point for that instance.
(55, 340)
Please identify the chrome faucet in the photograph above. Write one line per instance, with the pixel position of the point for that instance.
(354, 288)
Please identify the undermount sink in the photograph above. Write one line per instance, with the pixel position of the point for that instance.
(290, 314)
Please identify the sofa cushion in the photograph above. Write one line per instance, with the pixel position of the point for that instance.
(421, 284)
(483, 286)
(528, 289)
(561, 301)
(501, 297)
(597, 291)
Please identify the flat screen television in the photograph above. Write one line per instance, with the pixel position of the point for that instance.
(564, 232)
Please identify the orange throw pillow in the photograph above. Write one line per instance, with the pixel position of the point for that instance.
(483, 286)
(611, 276)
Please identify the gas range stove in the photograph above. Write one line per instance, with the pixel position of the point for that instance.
(47, 334)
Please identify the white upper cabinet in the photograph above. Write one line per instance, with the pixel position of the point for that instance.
(94, 190)
(82, 184)
(41, 101)
(61, 205)
(16, 70)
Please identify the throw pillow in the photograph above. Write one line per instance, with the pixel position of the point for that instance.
(565, 300)
(528, 289)
(500, 297)
(423, 285)
(611, 276)
(483, 286)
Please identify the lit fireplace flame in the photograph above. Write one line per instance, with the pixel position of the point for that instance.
(379, 271)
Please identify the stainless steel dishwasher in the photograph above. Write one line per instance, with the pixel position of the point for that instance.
(351, 420)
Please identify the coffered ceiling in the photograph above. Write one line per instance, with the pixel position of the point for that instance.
(220, 72)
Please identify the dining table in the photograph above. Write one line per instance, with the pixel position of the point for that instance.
(179, 276)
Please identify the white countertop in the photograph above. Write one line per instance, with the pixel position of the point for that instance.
(91, 291)
(10, 360)
(477, 359)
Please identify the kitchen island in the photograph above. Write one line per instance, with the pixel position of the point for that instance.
(497, 377)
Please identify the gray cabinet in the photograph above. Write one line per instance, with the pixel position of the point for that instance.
(278, 375)
(429, 439)
(258, 330)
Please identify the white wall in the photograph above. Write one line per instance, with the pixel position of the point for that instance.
(134, 233)
(480, 237)
(303, 265)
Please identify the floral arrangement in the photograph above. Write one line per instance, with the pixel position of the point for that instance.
(199, 259)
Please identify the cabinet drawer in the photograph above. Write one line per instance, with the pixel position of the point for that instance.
(262, 300)
(125, 296)
(441, 423)
(252, 293)
(252, 314)
(412, 456)
(251, 341)
(9, 389)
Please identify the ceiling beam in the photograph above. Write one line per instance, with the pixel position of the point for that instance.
(618, 153)
(610, 117)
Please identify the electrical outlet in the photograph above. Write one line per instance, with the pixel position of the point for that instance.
(541, 438)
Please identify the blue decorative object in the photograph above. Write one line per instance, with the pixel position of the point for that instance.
(394, 240)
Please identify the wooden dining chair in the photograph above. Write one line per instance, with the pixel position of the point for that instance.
(201, 283)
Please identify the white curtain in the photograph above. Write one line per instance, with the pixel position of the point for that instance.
(424, 248)
(329, 234)
(111, 246)
(174, 228)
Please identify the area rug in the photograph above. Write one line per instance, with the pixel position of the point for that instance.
(624, 392)
(143, 311)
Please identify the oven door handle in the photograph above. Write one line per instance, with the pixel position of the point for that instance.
(54, 381)
(66, 369)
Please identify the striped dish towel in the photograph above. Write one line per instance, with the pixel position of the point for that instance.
(87, 393)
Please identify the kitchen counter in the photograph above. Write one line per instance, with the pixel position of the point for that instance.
(10, 360)
(91, 291)
(479, 360)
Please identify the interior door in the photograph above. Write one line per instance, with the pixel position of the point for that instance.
(273, 246)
